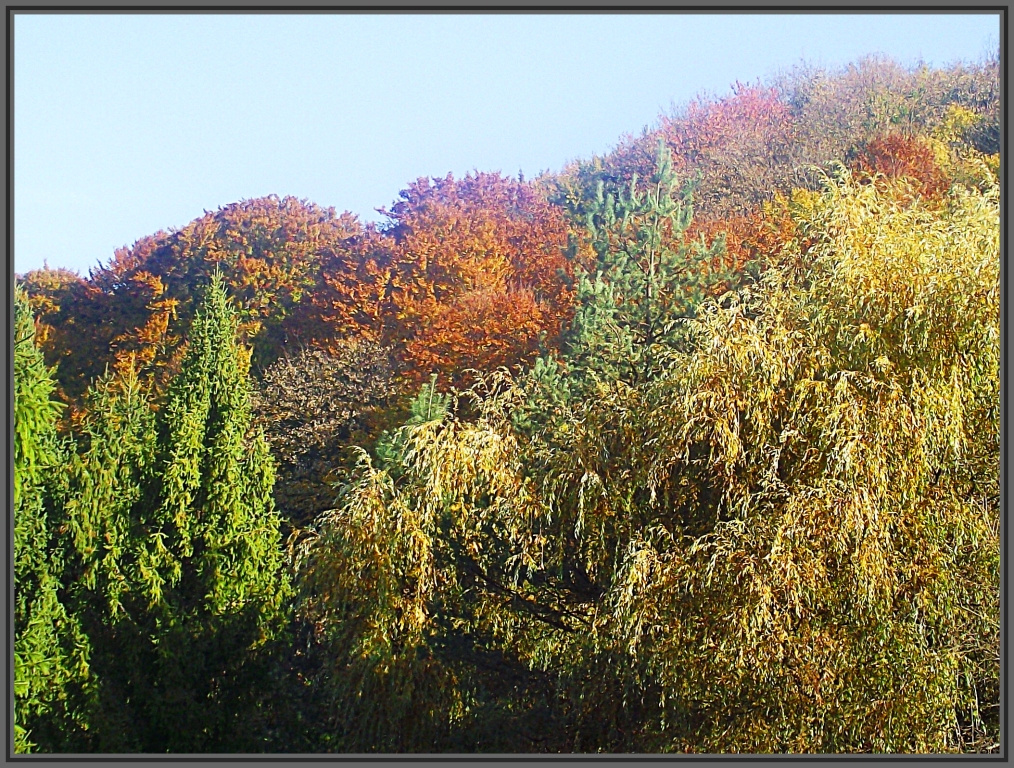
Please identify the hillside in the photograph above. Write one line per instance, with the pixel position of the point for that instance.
(691, 447)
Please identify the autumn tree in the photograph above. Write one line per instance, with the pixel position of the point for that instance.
(895, 156)
(477, 274)
(134, 309)
(738, 150)
(838, 110)
(72, 330)
(741, 148)
(767, 139)
(785, 541)
(312, 406)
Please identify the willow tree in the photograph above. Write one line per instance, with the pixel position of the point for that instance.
(787, 540)
(845, 421)
(179, 551)
(50, 651)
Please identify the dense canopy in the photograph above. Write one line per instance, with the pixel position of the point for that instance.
(693, 448)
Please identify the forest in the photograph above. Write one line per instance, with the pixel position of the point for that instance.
(691, 447)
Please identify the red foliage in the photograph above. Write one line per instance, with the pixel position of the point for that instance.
(897, 156)
(739, 149)
(739, 145)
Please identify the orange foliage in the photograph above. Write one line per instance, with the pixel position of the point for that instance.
(71, 326)
(350, 295)
(469, 273)
(895, 156)
(138, 306)
(764, 237)
(485, 328)
(47, 290)
(478, 273)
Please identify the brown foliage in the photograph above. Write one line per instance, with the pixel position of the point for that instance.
(311, 406)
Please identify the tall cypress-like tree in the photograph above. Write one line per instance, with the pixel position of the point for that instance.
(180, 550)
(50, 651)
(219, 538)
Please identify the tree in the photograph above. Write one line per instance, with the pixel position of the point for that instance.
(786, 540)
(648, 279)
(838, 111)
(762, 140)
(739, 150)
(896, 156)
(477, 274)
(134, 309)
(182, 572)
(50, 650)
(73, 331)
(312, 406)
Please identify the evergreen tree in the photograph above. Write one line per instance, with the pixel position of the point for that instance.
(50, 650)
(226, 591)
(180, 547)
(112, 480)
(647, 281)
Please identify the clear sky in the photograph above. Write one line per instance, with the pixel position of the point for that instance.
(128, 124)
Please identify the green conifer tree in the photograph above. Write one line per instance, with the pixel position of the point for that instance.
(647, 281)
(220, 541)
(180, 558)
(50, 651)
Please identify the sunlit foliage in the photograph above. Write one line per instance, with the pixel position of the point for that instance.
(649, 277)
(706, 460)
(50, 650)
(477, 274)
(177, 572)
(134, 310)
(787, 541)
(766, 139)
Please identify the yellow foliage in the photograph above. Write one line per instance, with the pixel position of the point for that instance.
(786, 542)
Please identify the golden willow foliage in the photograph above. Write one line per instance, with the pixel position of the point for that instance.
(786, 541)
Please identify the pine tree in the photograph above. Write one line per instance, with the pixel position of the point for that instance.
(429, 406)
(647, 281)
(50, 650)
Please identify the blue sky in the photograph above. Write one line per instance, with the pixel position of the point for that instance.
(128, 124)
